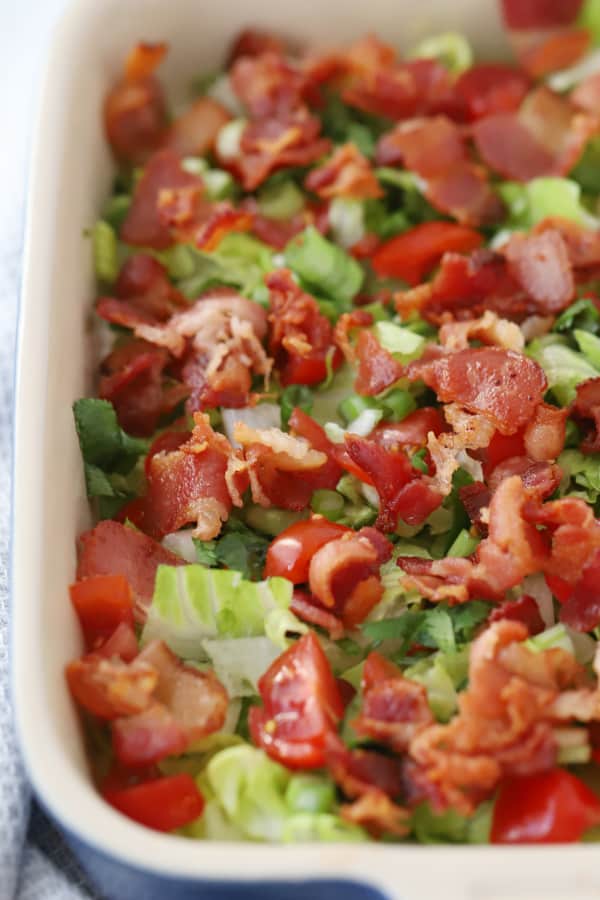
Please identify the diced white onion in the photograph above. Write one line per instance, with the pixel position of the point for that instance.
(347, 221)
(181, 544)
(364, 423)
(334, 432)
(229, 139)
(536, 587)
(263, 415)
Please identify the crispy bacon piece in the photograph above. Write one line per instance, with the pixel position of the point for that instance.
(344, 574)
(586, 410)
(113, 549)
(301, 424)
(394, 709)
(267, 84)
(143, 225)
(270, 144)
(195, 131)
(537, 14)
(196, 699)
(586, 95)
(134, 380)
(347, 173)
(555, 51)
(540, 478)
(301, 338)
(377, 368)
(255, 42)
(545, 432)
(347, 322)
(488, 88)
(546, 137)
(146, 738)
(222, 334)
(199, 482)
(402, 91)
(583, 244)
(524, 609)
(540, 264)
(378, 814)
(308, 608)
(464, 193)
(403, 491)
(109, 688)
(476, 498)
(581, 609)
(223, 219)
(504, 386)
(143, 294)
(489, 329)
(504, 724)
(430, 147)
(360, 772)
(411, 432)
(135, 112)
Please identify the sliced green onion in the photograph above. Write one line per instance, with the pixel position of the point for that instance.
(104, 248)
(327, 503)
(281, 200)
(334, 432)
(271, 520)
(354, 405)
(451, 49)
(399, 404)
(295, 395)
(364, 424)
(418, 461)
(310, 794)
(463, 545)
(324, 266)
(116, 210)
(397, 339)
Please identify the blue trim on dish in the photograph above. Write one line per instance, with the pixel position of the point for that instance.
(119, 881)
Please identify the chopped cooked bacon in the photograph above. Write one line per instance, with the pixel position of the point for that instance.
(467, 286)
(430, 147)
(328, 475)
(540, 478)
(540, 264)
(393, 709)
(255, 42)
(524, 609)
(267, 84)
(402, 91)
(134, 380)
(224, 331)
(283, 469)
(504, 724)
(574, 534)
(114, 549)
(195, 131)
(464, 193)
(190, 485)
(488, 88)
(143, 225)
(301, 338)
(109, 688)
(346, 323)
(586, 410)
(545, 432)
(344, 574)
(537, 14)
(504, 386)
(143, 294)
(340, 66)
(223, 219)
(583, 244)
(586, 95)
(447, 450)
(135, 112)
(359, 772)
(558, 50)
(146, 738)
(196, 699)
(345, 174)
(403, 491)
(308, 608)
(411, 432)
(378, 814)
(581, 608)
(377, 368)
(546, 137)
(489, 329)
(476, 498)
(270, 144)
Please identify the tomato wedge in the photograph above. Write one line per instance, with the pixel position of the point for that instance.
(412, 254)
(289, 555)
(102, 603)
(301, 706)
(551, 807)
(163, 804)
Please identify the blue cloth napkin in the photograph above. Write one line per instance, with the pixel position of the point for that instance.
(34, 862)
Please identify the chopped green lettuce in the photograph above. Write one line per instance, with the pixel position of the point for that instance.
(584, 471)
(240, 260)
(400, 340)
(280, 199)
(589, 345)
(450, 827)
(542, 197)
(442, 675)
(194, 604)
(564, 367)
(582, 314)
(324, 267)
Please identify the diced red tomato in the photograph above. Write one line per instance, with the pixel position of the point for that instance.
(289, 555)
(551, 807)
(561, 589)
(301, 706)
(122, 643)
(501, 447)
(163, 804)
(102, 602)
(412, 254)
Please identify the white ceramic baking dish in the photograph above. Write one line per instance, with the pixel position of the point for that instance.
(71, 172)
